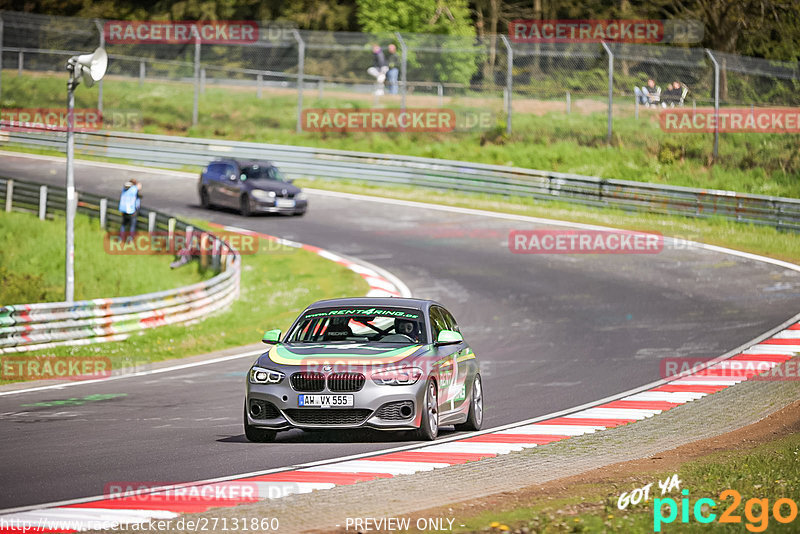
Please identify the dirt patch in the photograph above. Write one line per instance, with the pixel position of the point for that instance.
(780, 424)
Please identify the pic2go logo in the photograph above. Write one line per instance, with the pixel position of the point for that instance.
(756, 511)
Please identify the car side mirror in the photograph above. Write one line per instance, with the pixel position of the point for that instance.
(271, 337)
(448, 337)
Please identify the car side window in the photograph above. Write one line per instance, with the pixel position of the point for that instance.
(438, 322)
(214, 171)
(451, 321)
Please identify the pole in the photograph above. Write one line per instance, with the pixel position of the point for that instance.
(1, 56)
(195, 104)
(716, 103)
(509, 80)
(301, 55)
(99, 25)
(610, 90)
(70, 248)
(403, 68)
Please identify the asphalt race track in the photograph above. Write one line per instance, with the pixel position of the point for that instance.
(552, 331)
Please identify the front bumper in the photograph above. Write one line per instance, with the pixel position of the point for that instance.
(374, 406)
(270, 206)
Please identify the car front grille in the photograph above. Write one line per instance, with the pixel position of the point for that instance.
(340, 382)
(307, 381)
(327, 416)
(396, 411)
(260, 409)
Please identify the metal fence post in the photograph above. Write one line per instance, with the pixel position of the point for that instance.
(100, 31)
(141, 73)
(509, 80)
(610, 90)
(301, 56)
(20, 61)
(151, 222)
(203, 81)
(440, 94)
(9, 194)
(103, 213)
(569, 103)
(258, 85)
(403, 69)
(195, 104)
(716, 103)
(43, 202)
(171, 233)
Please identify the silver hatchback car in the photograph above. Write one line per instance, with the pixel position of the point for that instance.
(386, 363)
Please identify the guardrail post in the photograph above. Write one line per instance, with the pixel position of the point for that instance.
(440, 94)
(259, 78)
(610, 90)
(43, 202)
(9, 194)
(103, 213)
(151, 222)
(403, 69)
(195, 103)
(171, 233)
(569, 103)
(99, 26)
(716, 103)
(509, 80)
(20, 61)
(301, 57)
(142, 68)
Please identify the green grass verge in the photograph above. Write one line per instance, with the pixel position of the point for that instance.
(576, 143)
(276, 284)
(769, 471)
(716, 231)
(32, 262)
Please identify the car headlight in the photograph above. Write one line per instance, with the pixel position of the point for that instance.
(301, 196)
(259, 375)
(404, 376)
(259, 194)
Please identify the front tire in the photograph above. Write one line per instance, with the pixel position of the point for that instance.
(475, 417)
(244, 206)
(429, 425)
(257, 435)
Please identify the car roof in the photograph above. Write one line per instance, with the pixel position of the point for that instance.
(396, 302)
(244, 162)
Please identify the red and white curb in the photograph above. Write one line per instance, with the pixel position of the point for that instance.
(168, 503)
(381, 282)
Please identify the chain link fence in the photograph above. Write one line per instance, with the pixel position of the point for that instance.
(303, 69)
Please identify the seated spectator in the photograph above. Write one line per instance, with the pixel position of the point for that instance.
(668, 97)
(649, 94)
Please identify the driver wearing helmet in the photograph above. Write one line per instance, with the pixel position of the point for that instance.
(406, 328)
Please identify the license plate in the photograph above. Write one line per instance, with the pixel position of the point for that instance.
(324, 401)
(284, 203)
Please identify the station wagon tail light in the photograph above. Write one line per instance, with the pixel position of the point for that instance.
(404, 376)
(259, 375)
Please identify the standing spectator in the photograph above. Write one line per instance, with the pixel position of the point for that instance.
(129, 203)
(378, 68)
(649, 94)
(393, 63)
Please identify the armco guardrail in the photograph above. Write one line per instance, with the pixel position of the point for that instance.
(28, 327)
(167, 151)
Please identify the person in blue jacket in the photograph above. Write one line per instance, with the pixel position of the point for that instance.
(129, 203)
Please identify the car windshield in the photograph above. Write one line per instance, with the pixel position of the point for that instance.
(360, 325)
(258, 172)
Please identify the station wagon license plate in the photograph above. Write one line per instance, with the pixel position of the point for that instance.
(284, 203)
(325, 401)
